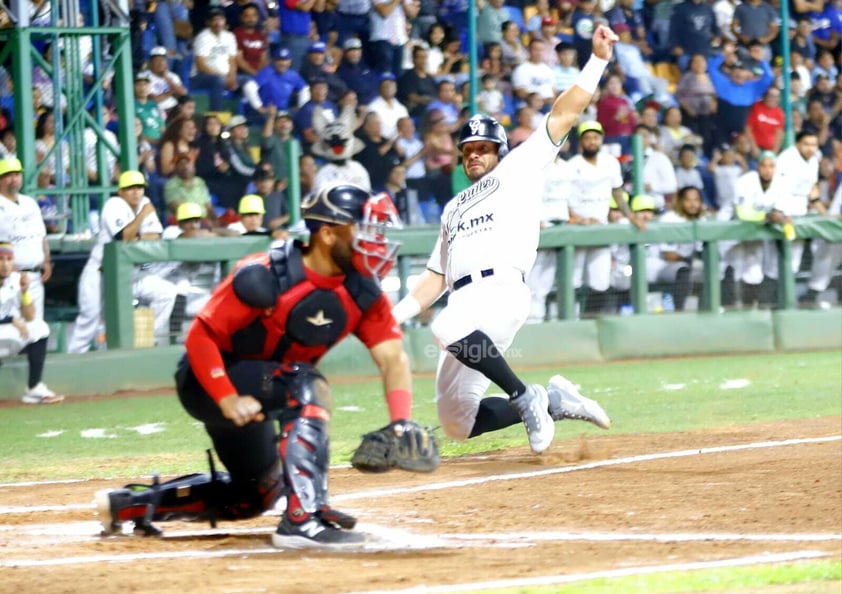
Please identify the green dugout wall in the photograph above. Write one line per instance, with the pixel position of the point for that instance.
(559, 342)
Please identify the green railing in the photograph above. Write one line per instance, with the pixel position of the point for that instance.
(119, 259)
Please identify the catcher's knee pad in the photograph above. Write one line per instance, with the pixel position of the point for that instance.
(297, 387)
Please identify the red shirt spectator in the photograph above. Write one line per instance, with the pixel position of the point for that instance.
(615, 111)
(252, 43)
(766, 122)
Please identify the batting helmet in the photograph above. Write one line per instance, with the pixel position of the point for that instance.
(483, 127)
(344, 204)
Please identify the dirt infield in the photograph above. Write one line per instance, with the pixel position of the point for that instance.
(608, 504)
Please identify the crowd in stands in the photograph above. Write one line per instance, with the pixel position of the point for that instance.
(221, 88)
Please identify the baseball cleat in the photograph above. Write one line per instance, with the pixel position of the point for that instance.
(567, 403)
(313, 533)
(533, 408)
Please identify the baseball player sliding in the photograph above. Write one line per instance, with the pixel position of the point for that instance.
(488, 240)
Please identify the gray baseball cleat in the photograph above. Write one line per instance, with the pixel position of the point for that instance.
(567, 403)
(533, 408)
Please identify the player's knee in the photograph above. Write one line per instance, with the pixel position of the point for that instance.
(306, 386)
(457, 430)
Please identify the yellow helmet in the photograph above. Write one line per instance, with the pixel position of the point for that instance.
(189, 210)
(251, 204)
(643, 202)
(130, 179)
(590, 126)
(612, 204)
(10, 165)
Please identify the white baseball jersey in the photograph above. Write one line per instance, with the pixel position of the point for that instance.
(116, 215)
(21, 224)
(557, 191)
(750, 194)
(795, 177)
(592, 185)
(495, 223)
(10, 296)
(216, 48)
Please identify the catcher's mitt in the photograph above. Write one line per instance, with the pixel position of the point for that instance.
(402, 444)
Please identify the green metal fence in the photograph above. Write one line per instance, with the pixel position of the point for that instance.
(120, 258)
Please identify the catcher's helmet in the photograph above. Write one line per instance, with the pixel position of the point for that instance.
(483, 127)
(344, 204)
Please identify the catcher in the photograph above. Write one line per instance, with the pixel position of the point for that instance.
(251, 360)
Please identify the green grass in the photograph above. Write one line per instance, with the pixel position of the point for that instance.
(781, 386)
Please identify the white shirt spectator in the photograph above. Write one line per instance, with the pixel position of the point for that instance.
(159, 84)
(351, 172)
(534, 78)
(389, 114)
(217, 49)
(91, 141)
(411, 147)
(392, 28)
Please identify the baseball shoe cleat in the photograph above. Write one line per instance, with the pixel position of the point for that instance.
(314, 532)
(567, 403)
(41, 394)
(533, 408)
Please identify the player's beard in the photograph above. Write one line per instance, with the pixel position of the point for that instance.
(589, 153)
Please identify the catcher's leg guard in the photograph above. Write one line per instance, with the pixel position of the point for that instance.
(188, 498)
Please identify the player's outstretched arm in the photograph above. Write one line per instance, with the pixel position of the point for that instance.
(426, 291)
(572, 102)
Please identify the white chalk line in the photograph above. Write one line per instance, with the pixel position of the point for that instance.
(589, 466)
(390, 539)
(552, 580)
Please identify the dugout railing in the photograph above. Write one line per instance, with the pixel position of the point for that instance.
(120, 258)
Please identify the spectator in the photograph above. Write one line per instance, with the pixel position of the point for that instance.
(659, 30)
(277, 133)
(411, 151)
(658, 171)
(278, 84)
(239, 155)
(549, 28)
(147, 109)
(354, 22)
(180, 137)
(307, 172)
(165, 86)
(185, 188)
(523, 117)
(251, 211)
(296, 26)
(146, 153)
(672, 135)
(823, 91)
(454, 63)
(724, 11)
(514, 54)
(387, 106)
(91, 141)
(756, 20)
(338, 145)
(726, 167)
(490, 100)
(567, 68)
(742, 145)
(542, 11)
(448, 102)
(388, 33)
(303, 119)
(818, 122)
(595, 176)
(826, 23)
(692, 30)
(533, 76)
(640, 81)
(554, 212)
(275, 201)
(45, 140)
(737, 89)
(766, 122)
(416, 87)
(315, 67)
(624, 12)
(689, 173)
(676, 263)
(584, 23)
(395, 187)
(129, 216)
(252, 43)
(616, 113)
(356, 74)
(697, 97)
(8, 142)
(215, 54)
(21, 225)
(492, 15)
(186, 108)
(21, 329)
(440, 158)
(212, 157)
(802, 42)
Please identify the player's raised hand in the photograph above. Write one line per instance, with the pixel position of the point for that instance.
(603, 42)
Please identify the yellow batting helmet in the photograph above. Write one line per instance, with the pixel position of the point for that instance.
(643, 202)
(189, 210)
(590, 126)
(251, 204)
(10, 165)
(130, 179)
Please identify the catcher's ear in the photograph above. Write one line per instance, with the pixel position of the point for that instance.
(256, 286)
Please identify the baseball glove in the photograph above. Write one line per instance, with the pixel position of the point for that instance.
(402, 444)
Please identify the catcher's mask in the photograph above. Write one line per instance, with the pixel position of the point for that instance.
(344, 204)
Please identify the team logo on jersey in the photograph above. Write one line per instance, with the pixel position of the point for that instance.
(319, 319)
(478, 191)
(467, 224)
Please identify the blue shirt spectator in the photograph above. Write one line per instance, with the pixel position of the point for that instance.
(278, 82)
(692, 30)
